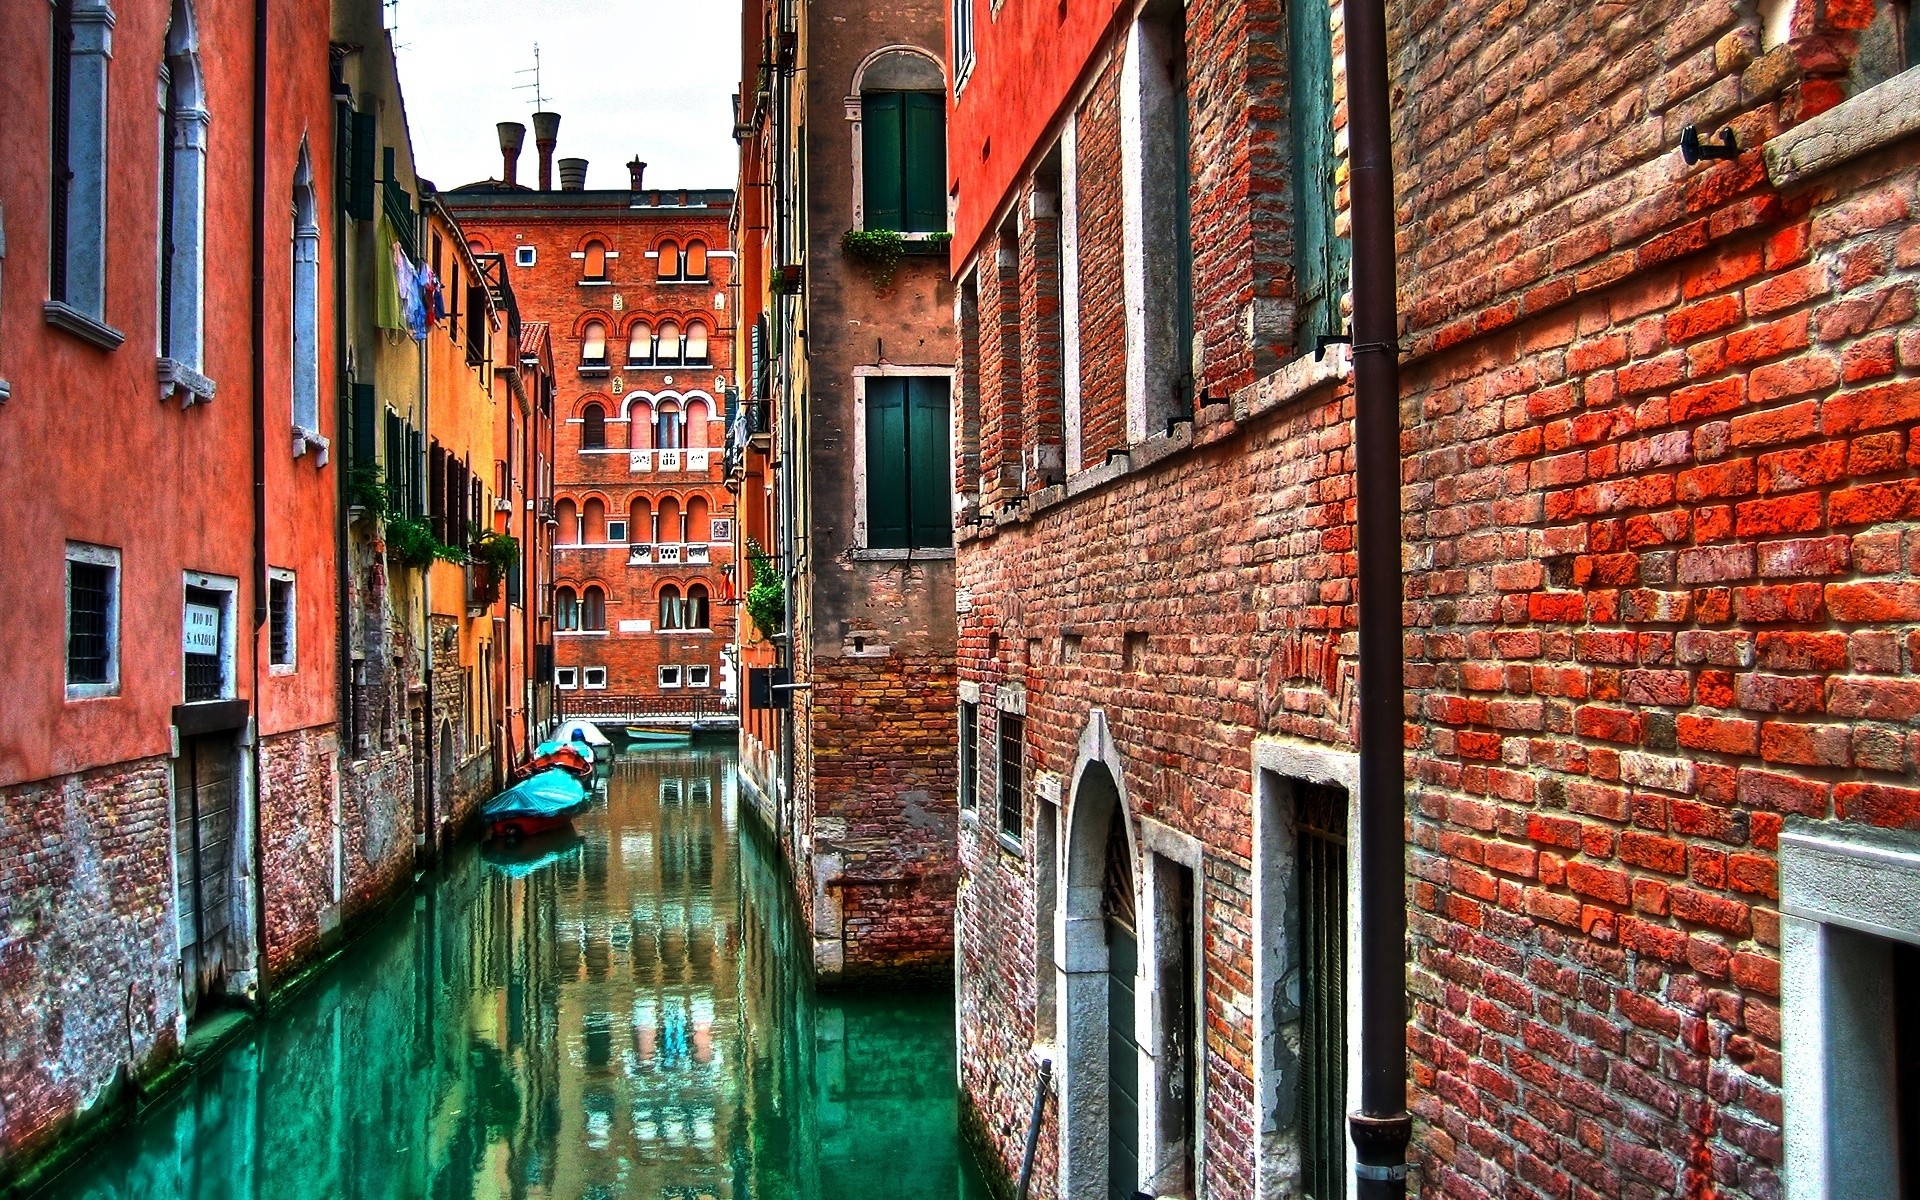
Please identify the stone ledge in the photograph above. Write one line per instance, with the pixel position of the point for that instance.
(62, 315)
(192, 386)
(1877, 117)
(1293, 381)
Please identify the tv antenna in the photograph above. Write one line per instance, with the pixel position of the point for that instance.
(539, 97)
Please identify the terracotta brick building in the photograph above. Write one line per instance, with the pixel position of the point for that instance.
(632, 285)
(846, 359)
(1663, 821)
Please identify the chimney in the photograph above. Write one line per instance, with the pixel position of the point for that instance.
(513, 135)
(636, 171)
(573, 174)
(546, 132)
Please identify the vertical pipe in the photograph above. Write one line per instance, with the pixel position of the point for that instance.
(258, 333)
(1382, 1127)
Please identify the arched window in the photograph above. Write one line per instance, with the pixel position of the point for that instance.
(640, 425)
(596, 267)
(668, 432)
(696, 351)
(593, 345)
(669, 523)
(903, 142)
(566, 617)
(672, 608)
(306, 308)
(640, 521)
(669, 260)
(696, 607)
(593, 521)
(569, 523)
(640, 344)
(183, 241)
(593, 609)
(696, 266)
(697, 424)
(593, 428)
(699, 520)
(668, 348)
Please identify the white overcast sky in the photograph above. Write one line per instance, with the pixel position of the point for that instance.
(648, 77)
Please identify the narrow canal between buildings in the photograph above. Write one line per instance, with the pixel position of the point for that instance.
(612, 1013)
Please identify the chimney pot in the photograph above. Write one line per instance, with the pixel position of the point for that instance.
(573, 174)
(513, 135)
(546, 133)
(636, 171)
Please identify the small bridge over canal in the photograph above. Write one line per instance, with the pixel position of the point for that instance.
(689, 712)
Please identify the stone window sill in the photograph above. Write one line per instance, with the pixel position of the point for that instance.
(1878, 117)
(938, 554)
(177, 377)
(596, 283)
(305, 440)
(1010, 845)
(62, 315)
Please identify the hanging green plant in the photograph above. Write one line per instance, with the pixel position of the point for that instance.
(500, 551)
(411, 543)
(767, 595)
(788, 280)
(880, 249)
(367, 490)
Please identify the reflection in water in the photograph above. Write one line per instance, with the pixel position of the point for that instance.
(609, 1013)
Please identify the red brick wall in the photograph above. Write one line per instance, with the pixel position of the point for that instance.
(1660, 481)
(1102, 316)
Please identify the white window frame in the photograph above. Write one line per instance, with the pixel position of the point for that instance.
(616, 538)
(963, 50)
(566, 678)
(228, 588)
(860, 377)
(1845, 893)
(699, 677)
(183, 358)
(670, 677)
(854, 109)
(306, 313)
(526, 256)
(586, 678)
(279, 575)
(99, 556)
(82, 310)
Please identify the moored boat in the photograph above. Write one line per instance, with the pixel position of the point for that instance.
(575, 758)
(659, 735)
(582, 730)
(545, 802)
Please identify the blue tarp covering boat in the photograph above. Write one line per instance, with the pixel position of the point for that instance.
(543, 802)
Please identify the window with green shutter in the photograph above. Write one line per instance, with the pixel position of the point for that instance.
(1321, 258)
(904, 161)
(909, 464)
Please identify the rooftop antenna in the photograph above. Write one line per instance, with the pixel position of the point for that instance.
(390, 19)
(539, 97)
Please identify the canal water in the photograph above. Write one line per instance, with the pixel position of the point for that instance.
(612, 1013)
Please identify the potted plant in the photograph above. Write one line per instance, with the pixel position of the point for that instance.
(411, 544)
(787, 280)
(767, 593)
(880, 249)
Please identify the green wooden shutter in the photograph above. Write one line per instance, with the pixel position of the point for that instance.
(882, 159)
(889, 526)
(366, 136)
(1320, 258)
(925, 184)
(930, 465)
(364, 419)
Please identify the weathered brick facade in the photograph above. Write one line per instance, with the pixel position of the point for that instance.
(1658, 492)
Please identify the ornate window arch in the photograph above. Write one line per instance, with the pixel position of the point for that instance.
(306, 310)
(898, 111)
(183, 214)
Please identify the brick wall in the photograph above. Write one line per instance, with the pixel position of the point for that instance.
(299, 815)
(1660, 551)
(88, 988)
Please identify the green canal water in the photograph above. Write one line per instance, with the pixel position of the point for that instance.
(622, 1012)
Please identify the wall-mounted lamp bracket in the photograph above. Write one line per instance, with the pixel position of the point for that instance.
(1693, 149)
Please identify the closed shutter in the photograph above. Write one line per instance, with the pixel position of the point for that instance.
(1320, 257)
(366, 136)
(364, 420)
(889, 526)
(929, 467)
(883, 154)
(416, 486)
(925, 168)
(61, 139)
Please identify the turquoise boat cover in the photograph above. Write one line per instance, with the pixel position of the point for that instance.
(551, 793)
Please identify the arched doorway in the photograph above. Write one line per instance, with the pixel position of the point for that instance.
(1100, 1079)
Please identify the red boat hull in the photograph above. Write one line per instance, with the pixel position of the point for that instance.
(515, 828)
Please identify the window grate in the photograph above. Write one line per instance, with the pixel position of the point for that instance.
(280, 622)
(1012, 737)
(1322, 864)
(969, 756)
(89, 636)
(203, 677)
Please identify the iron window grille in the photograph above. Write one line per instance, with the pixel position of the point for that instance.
(969, 756)
(1321, 854)
(1012, 741)
(280, 622)
(89, 613)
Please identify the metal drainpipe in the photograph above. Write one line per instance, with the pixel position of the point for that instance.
(1382, 1128)
(343, 403)
(258, 335)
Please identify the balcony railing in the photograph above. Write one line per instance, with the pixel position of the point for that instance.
(640, 462)
(697, 459)
(698, 552)
(669, 460)
(668, 554)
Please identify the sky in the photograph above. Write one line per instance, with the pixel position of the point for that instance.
(648, 77)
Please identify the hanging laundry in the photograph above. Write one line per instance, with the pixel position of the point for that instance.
(387, 311)
(413, 308)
